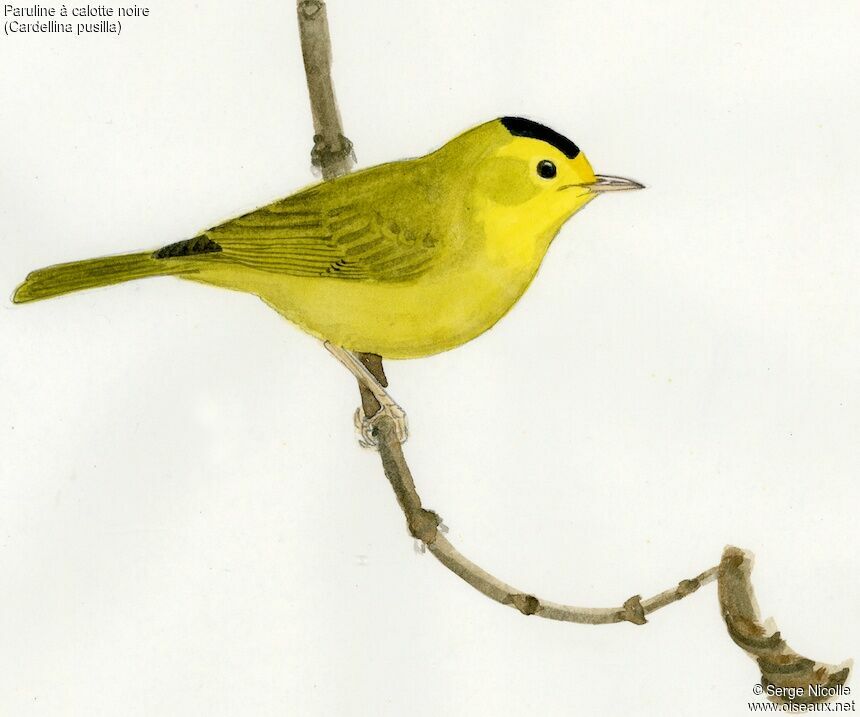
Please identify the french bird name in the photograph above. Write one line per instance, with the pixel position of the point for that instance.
(69, 19)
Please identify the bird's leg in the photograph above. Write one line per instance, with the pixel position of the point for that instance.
(365, 425)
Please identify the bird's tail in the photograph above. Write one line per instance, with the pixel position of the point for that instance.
(88, 274)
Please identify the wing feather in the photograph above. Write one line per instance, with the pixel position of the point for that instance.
(367, 226)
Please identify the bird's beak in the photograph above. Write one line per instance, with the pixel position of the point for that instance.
(605, 183)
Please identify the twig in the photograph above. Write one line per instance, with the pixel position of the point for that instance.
(332, 151)
(423, 525)
(333, 154)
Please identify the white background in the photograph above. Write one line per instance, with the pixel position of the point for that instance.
(187, 525)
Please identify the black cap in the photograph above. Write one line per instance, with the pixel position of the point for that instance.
(521, 127)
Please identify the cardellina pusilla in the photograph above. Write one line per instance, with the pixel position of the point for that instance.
(403, 260)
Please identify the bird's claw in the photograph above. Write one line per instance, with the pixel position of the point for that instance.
(367, 428)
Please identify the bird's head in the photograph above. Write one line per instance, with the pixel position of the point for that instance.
(524, 181)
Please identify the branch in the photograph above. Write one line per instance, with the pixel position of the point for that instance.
(796, 679)
(332, 153)
(423, 525)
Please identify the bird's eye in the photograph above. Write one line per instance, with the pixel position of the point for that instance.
(546, 169)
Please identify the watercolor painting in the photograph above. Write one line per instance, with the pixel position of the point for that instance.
(418, 256)
(401, 261)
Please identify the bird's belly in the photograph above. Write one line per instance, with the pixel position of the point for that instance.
(395, 320)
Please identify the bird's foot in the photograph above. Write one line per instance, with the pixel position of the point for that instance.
(368, 428)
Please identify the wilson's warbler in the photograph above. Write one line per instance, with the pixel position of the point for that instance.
(403, 260)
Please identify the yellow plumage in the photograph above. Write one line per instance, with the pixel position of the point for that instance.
(403, 260)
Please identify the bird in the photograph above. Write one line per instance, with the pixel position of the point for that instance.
(403, 260)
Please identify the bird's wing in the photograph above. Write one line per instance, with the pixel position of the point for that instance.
(362, 230)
